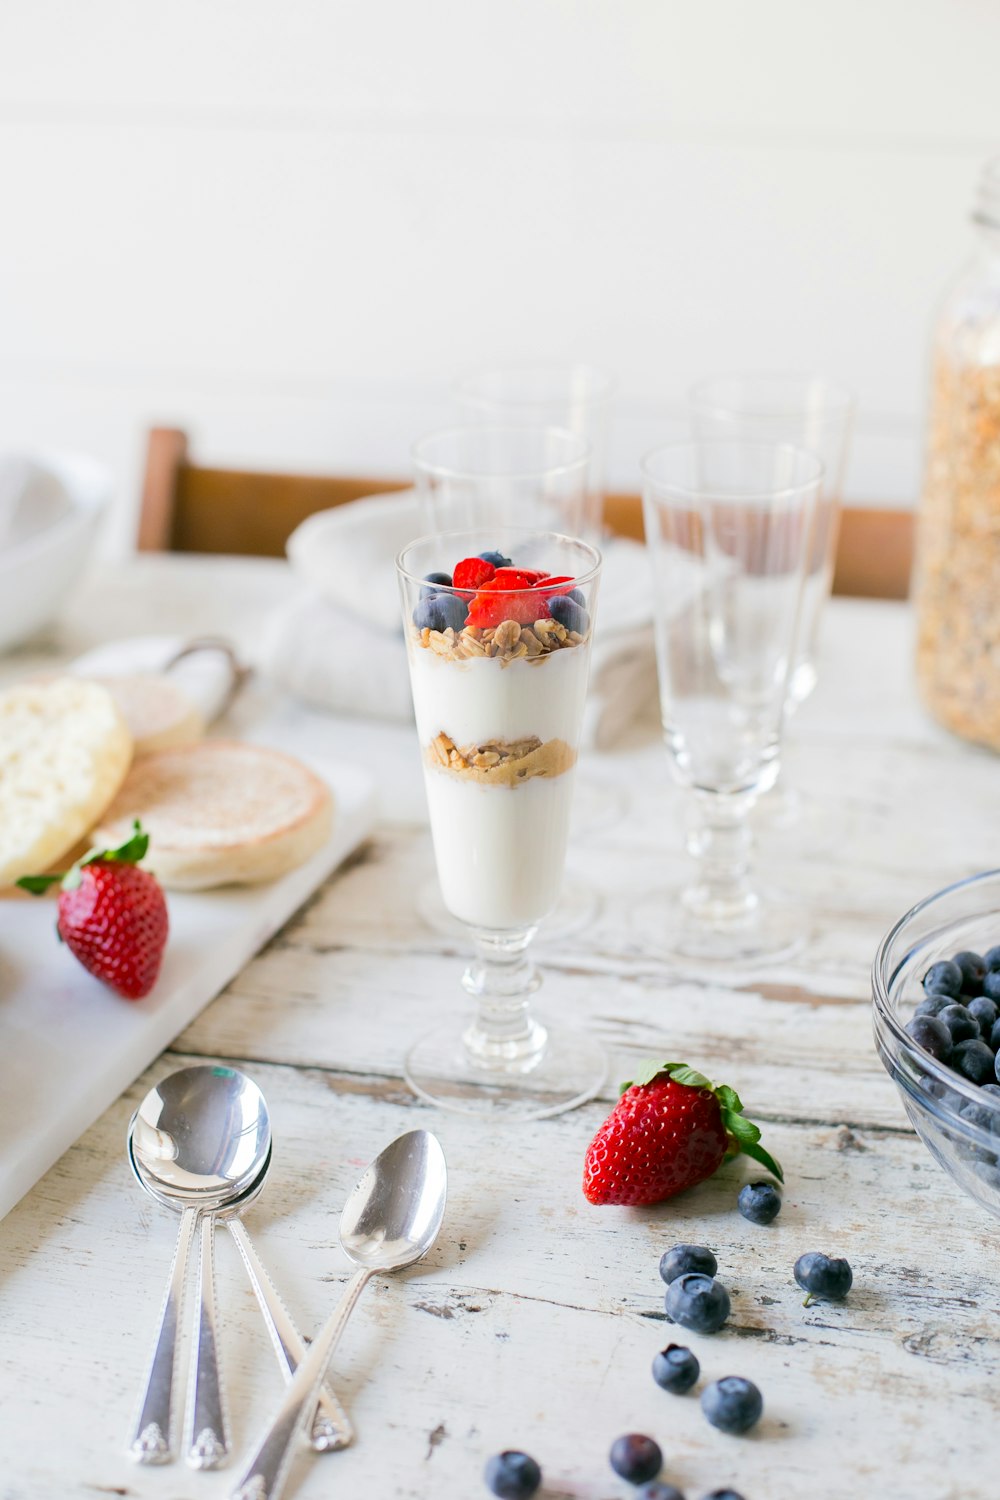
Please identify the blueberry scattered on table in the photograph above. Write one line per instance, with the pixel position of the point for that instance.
(512, 1475)
(973, 967)
(943, 978)
(636, 1458)
(722, 1495)
(931, 1033)
(496, 558)
(962, 1026)
(656, 1489)
(732, 1404)
(676, 1369)
(569, 614)
(995, 1036)
(973, 1060)
(683, 1258)
(991, 983)
(760, 1202)
(697, 1302)
(823, 1276)
(991, 958)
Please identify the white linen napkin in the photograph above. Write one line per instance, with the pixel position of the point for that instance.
(208, 675)
(338, 642)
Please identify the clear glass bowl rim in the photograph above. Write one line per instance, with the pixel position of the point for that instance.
(885, 1019)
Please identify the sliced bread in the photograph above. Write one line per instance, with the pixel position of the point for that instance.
(221, 813)
(157, 710)
(64, 752)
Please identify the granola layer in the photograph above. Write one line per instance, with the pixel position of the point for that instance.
(501, 762)
(508, 642)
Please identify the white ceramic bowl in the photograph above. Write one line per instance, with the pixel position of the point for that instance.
(50, 507)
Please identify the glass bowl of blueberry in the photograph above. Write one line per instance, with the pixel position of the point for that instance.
(936, 1010)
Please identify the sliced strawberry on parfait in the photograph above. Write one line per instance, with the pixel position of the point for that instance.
(499, 600)
(472, 572)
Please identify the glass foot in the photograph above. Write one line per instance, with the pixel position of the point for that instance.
(577, 908)
(775, 931)
(566, 1072)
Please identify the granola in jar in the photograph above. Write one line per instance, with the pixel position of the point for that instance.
(957, 580)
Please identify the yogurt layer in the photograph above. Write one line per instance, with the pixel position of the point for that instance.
(500, 845)
(483, 698)
(500, 850)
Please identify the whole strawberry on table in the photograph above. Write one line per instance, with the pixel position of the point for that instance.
(671, 1128)
(112, 915)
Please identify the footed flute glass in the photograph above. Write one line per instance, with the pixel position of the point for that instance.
(574, 397)
(809, 412)
(729, 528)
(499, 654)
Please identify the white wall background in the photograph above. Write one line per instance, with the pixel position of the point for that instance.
(287, 224)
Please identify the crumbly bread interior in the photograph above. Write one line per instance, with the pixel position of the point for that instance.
(157, 710)
(222, 813)
(64, 752)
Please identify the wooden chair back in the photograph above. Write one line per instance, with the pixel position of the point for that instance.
(190, 508)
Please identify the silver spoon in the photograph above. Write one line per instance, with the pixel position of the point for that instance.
(332, 1428)
(201, 1136)
(390, 1220)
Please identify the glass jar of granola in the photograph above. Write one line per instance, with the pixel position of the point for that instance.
(957, 580)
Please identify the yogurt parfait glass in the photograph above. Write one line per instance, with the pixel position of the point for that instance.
(499, 654)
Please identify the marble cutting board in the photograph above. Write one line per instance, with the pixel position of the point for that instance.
(69, 1046)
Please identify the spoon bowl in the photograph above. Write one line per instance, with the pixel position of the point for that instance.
(395, 1209)
(201, 1134)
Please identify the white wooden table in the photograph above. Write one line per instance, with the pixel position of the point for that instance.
(534, 1321)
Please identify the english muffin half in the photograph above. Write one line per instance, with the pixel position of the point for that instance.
(221, 813)
(64, 751)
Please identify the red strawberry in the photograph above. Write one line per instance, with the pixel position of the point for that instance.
(494, 603)
(471, 572)
(112, 916)
(670, 1129)
(514, 578)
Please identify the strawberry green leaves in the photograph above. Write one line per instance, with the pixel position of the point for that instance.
(744, 1135)
(130, 853)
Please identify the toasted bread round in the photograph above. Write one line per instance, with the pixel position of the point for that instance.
(221, 813)
(157, 710)
(64, 752)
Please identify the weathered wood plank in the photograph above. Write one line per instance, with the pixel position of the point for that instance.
(534, 1322)
(535, 1319)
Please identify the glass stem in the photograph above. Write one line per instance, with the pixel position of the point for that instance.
(504, 1037)
(720, 841)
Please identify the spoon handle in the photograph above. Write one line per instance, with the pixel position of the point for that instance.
(150, 1441)
(332, 1428)
(206, 1444)
(264, 1477)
